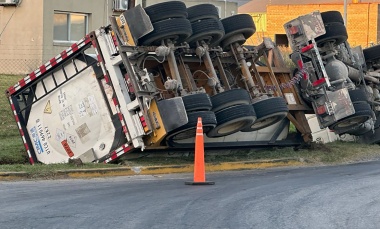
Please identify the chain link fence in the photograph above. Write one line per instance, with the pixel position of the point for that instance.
(18, 66)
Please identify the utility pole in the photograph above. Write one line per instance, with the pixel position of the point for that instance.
(345, 13)
(225, 8)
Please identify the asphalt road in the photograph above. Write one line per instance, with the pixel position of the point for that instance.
(324, 197)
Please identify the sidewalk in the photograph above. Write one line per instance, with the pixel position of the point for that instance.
(149, 170)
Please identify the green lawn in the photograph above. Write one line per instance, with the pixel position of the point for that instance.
(8, 126)
(12, 151)
(11, 147)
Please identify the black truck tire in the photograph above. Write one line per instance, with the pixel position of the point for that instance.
(232, 120)
(165, 10)
(268, 112)
(197, 102)
(210, 30)
(377, 122)
(358, 95)
(176, 29)
(202, 11)
(189, 130)
(335, 32)
(371, 53)
(363, 112)
(238, 24)
(332, 17)
(230, 98)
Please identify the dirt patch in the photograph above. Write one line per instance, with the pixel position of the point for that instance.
(320, 147)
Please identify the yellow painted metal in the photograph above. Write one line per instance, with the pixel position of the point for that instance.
(159, 131)
(125, 31)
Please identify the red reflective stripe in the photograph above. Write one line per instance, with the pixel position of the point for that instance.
(300, 64)
(307, 48)
(31, 160)
(64, 54)
(99, 58)
(113, 155)
(318, 82)
(125, 129)
(74, 47)
(107, 78)
(94, 43)
(13, 107)
(16, 118)
(43, 69)
(11, 90)
(120, 116)
(114, 40)
(126, 149)
(53, 62)
(22, 83)
(26, 146)
(115, 101)
(32, 76)
(87, 39)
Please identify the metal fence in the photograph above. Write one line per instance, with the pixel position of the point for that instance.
(18, 66)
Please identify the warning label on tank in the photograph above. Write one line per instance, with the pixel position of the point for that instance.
(87, 106)
(36, 140)
(82, 131)
(67, 117)
(82, 109)
(66, 112)
(47, 109)
(62, 98)
(43, 136)
(39, 136)
(67, 148)
(71, 140)
(93, 106)
(60, 135)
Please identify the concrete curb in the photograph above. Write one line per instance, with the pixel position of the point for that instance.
(149, 170)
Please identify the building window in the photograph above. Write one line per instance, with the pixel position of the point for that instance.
(69, 27)
(281, 40)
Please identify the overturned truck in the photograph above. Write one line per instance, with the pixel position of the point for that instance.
(142, 82)
(341, 83)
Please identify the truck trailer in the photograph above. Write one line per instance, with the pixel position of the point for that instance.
(141, 83)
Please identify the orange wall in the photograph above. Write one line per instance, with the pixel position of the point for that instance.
(361, 26)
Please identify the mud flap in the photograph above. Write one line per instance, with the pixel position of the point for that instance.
(333, 107)
(166, 115)
(131, 32)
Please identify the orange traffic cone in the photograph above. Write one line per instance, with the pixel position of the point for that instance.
(199, 159)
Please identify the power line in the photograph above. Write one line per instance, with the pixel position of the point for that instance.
(10, 18)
